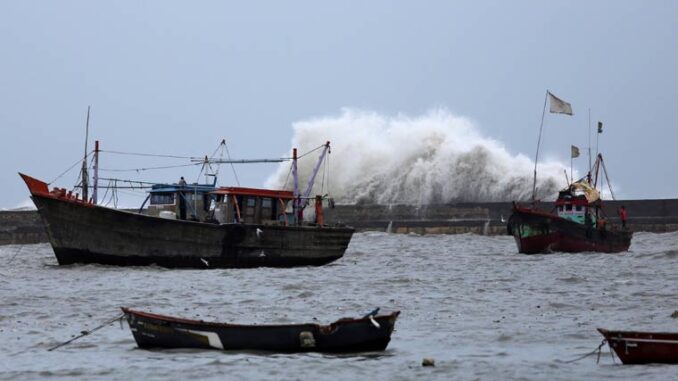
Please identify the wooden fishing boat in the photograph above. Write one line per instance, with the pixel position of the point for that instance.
(635, 347)
(369, 333)
(577, 223)
(191, 226)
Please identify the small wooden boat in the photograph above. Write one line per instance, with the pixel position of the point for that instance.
(635, 347)
(369, 333)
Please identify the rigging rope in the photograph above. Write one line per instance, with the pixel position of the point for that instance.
(151, 155)
(597, 350)
(609, 184)
(311, 151)
(66, 171)
(147, 168)
(228, 154)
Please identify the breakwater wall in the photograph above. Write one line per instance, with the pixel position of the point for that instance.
(21, 227)
(489, 218)
(661, 215)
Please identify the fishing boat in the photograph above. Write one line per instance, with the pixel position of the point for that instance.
(191, 226)
(635, 347)
(369, 333)
(577, 223)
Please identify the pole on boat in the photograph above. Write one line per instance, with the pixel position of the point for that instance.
(536, 157)
(600, 131)
(96, 172)
(295, 176)
(589, 136)
(85, 184)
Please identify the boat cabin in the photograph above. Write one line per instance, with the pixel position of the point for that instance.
(180, 201)
(578, 203)
(572, 208)
(253, 206)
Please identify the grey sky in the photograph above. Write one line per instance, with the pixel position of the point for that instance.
(176, 77)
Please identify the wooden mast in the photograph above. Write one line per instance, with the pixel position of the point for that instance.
(96, 172)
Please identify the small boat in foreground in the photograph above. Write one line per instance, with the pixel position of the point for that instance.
(369, 333)
(634, 347)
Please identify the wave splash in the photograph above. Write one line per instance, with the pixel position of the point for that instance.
(430, 159)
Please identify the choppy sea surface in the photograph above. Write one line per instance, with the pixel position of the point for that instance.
(472, 303)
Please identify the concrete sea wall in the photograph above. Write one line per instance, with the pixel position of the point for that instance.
(21, 227)
(661, 215)
(489, 218)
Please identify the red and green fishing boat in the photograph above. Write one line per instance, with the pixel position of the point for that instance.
(577, 223)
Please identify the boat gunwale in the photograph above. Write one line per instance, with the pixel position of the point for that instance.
(171, 319)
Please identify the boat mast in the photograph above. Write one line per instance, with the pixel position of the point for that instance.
(589, 136)
(84, 175)
(295, 176)
(96, 172)
(536, 157)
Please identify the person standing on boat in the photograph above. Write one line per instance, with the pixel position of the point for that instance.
(182, 182)
(623, 216)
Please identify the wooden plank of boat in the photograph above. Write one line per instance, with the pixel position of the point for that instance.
(369, 333)
(636, 347)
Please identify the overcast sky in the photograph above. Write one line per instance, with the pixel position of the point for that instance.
(176, 77)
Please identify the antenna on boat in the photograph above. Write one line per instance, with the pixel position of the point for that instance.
(85, 184)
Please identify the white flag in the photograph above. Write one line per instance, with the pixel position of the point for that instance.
(559, 106)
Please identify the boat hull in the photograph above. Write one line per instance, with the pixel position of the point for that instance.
(86, 233)
(643, 347)
(537, 232)
(343, 336)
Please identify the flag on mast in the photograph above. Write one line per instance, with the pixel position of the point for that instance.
(574, 151)
(600, 127)
(559, 106)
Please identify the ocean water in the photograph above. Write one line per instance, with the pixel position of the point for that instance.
(472, 303)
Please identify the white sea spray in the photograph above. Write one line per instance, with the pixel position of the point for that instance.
(433, 158)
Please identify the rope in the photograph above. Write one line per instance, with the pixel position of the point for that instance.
(85, 333)
(228, 154)
(15, 254)
(609, 184)
(66, 171)
(152, 155)
(311, 151)
(148, 168)
(597, 350)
